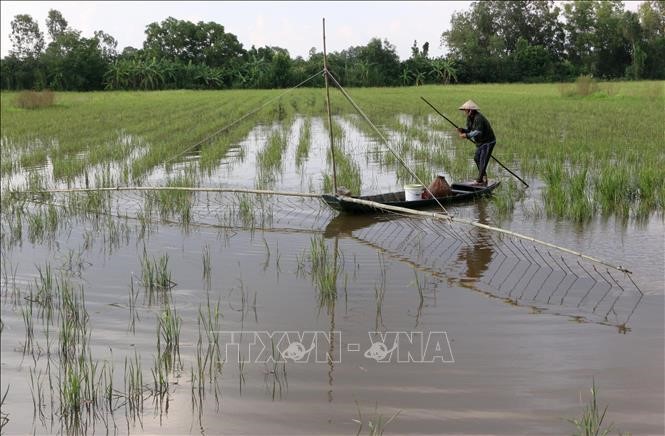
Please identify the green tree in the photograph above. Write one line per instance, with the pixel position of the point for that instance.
(652, 21)
(26, 38)
(204, 43)
(56, 24)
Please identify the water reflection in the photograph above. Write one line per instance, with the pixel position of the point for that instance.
(516, 271)
(477, 255)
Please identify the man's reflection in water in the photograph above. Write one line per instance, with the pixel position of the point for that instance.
(478, 254)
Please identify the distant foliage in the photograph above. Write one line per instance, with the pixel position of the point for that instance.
(492, 42)
(34, 99)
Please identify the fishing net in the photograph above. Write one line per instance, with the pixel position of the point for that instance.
(504, 265)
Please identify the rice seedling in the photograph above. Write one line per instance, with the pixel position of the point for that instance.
(591, 421)
(134, 388)
(160, 377)
(11, 291)
(169, 332)
(304, 142)
(133, 315)
(207, 267)
(375, 425)
(325, 268)
(175, 203)
(210, 321)
(505, 199)
(26, 313)
(348, 170)
(246, 211)
(73, 333)
(155, 275)
(81, 390)
(269, 160)
(37, 391)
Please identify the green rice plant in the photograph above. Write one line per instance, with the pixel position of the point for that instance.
(169, 333)
(37, 392)
(613, 191)
(73, 334)
(375, 425)
(12, 291)
(348, 172)
(26, 313)
(246, 210)
(133, 315)
(270, 159)
(591, 421)
(304, 142)
(46, 286)
(80, 388)
(581, 209)
(555, 192)
(160, 377)
(155, 274)
(134, 388)
(505, 198)
(207, 267)
(325, 268)
(210, 321)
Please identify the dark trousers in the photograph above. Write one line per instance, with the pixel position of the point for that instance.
(482, 158)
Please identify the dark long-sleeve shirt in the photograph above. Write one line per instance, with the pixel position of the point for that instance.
(479, 130)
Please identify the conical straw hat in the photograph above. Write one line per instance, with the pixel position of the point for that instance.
(470, 104)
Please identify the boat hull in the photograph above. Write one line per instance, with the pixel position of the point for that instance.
(461, 192)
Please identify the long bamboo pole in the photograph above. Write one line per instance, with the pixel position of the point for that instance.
(170, 188)
(330, 126)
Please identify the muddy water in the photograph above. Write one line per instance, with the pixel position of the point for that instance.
(486, 363)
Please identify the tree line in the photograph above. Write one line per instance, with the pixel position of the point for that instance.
(493, 41)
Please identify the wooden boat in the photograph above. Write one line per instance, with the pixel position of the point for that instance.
(461, 192)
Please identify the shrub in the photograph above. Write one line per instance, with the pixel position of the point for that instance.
(585, 85)
(35, 99)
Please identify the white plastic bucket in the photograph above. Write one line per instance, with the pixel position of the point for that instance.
(413, 192)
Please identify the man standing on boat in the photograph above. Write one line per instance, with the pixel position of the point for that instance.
(479, 130)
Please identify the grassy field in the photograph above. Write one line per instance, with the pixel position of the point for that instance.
(598, 153)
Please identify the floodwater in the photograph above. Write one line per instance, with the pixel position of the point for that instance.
(447, 328)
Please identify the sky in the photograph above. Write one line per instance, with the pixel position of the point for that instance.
(295, 26)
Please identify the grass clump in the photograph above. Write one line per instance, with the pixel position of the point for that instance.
(591, 421)
(34, 99)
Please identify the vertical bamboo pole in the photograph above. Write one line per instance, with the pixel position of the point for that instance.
(330, 126)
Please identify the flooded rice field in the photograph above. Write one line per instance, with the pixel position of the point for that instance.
(144, 311)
